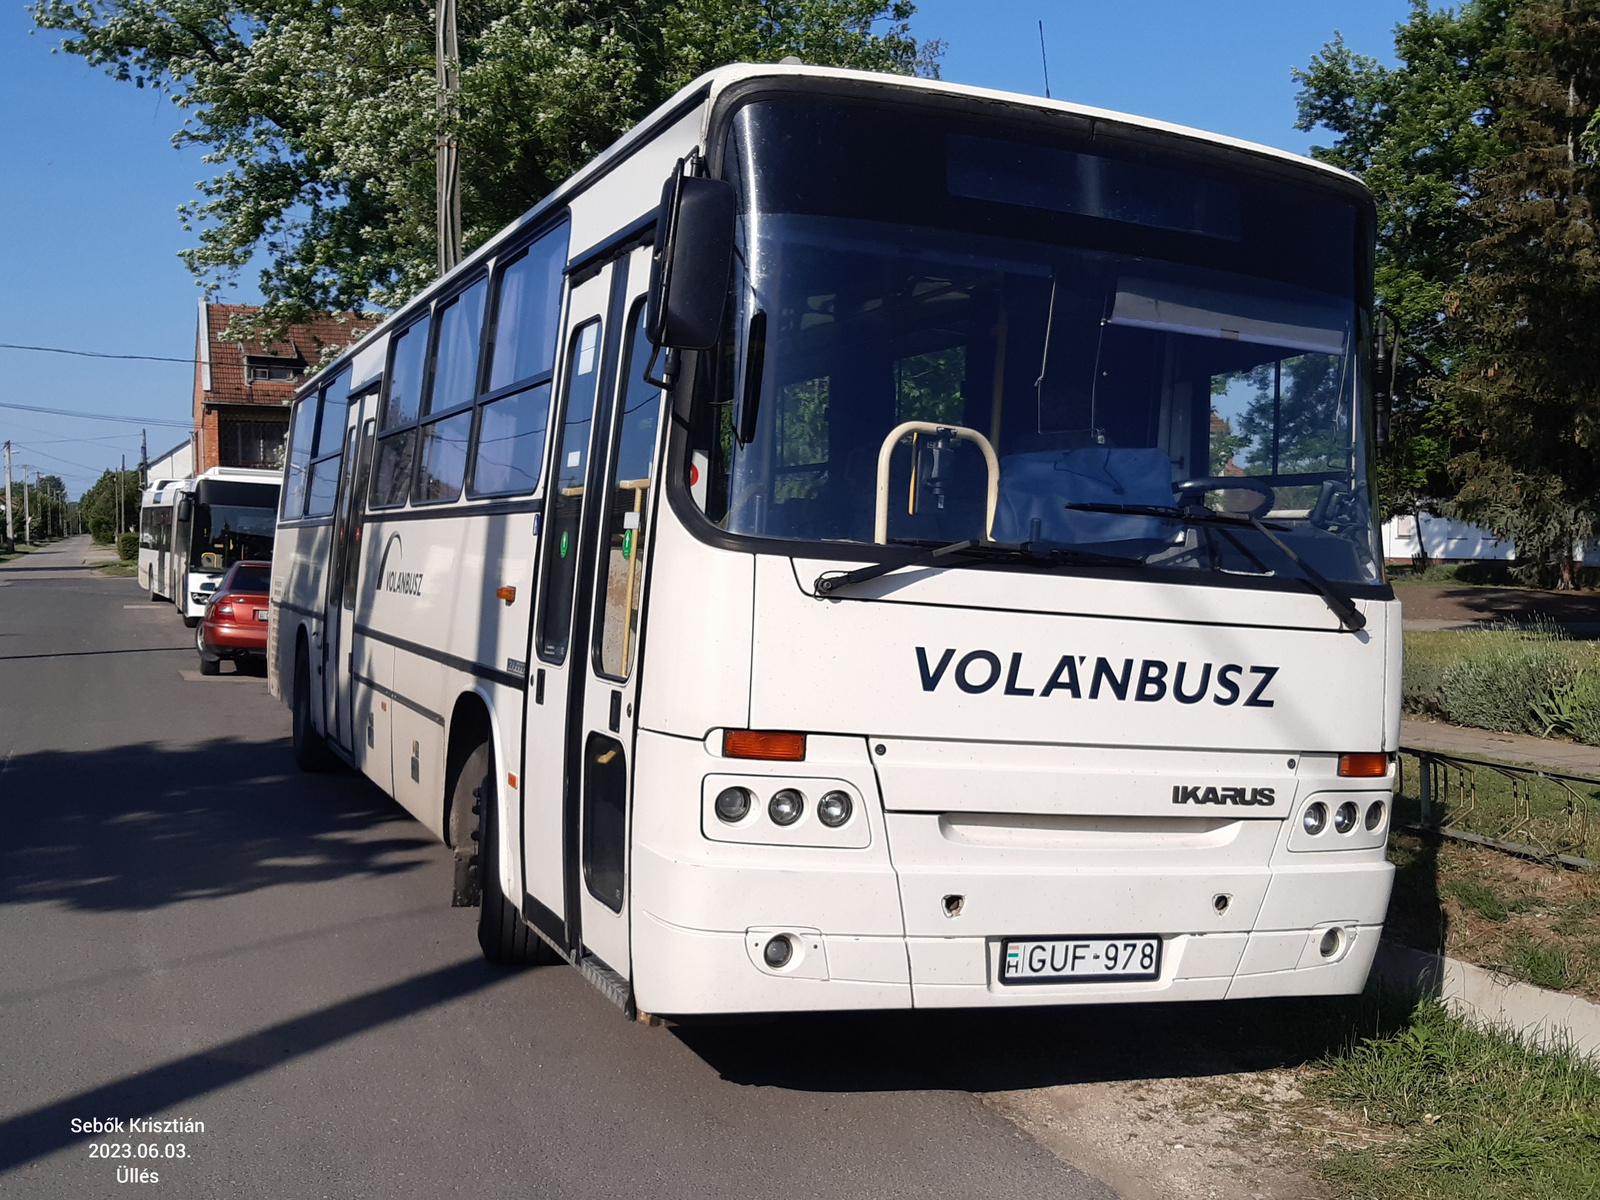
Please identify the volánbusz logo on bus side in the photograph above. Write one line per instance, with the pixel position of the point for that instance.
(1149, 681)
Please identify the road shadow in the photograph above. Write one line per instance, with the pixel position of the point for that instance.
(996, 1050)
(139, 827)
(1521, 606)
(41, 1131)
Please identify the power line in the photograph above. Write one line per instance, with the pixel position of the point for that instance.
(96, 354)
(67, 412)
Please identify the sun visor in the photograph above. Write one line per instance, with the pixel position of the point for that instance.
(1266, 320)
(367, 364)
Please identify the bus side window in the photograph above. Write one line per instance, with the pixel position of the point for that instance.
(323, 487)
(522, 338)
(299, 457)
(564, 502)
(455, 367)
(622, 540)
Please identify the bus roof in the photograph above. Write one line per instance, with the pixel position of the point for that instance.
(710, 85)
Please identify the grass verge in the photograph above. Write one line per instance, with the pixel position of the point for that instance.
(123, 570)
(1532, 922)
(1461, 1111)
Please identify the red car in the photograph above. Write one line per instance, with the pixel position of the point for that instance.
(235, 624)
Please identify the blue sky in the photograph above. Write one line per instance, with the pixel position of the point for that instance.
(88, 259)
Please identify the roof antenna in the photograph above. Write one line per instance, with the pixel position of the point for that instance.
(1044, 58)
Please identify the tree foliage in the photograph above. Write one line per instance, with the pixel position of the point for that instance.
(98, 504)
(321, 115)
(1527, 314)
(1416, 134)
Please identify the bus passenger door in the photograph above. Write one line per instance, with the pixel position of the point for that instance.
(343, 566)
(615, 559)
(557, 661)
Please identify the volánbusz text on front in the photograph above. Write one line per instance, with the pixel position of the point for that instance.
(864, 542)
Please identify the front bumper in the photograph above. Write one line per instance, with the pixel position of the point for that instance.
(872, 929)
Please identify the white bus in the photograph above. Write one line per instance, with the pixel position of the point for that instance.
(157, 507)
(921, 556)
(192, 530)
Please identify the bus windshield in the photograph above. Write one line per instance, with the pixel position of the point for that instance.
(935, 318)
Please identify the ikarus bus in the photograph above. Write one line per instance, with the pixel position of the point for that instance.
(863, 542)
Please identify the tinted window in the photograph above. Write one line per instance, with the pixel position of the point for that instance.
(294, 480)
(405, 375)
(324, 487)
(564, 503)
(511, 442)
(622, 545)
(444, 458)
(391, 480)
(335, 408)
(455, 371)
(529, 308)
(251, 579)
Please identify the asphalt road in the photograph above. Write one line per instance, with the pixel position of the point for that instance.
(190, 929)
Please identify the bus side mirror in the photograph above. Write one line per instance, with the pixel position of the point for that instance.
(1385, 352)
(692, 263)
(185, 508)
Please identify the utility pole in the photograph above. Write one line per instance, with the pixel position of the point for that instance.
(144, 460)
(11, 537)
(447, 162)
(122, 479)
(27, 515)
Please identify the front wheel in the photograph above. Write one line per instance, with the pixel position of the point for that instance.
(506, 939)
(190, 622)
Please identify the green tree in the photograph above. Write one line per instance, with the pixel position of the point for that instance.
(1527, 387)
(322, 116)
(1416, 133)
(98, 504)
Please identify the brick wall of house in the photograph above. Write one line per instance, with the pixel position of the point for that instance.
(225, 394)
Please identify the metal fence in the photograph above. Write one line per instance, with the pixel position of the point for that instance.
(1533, 813)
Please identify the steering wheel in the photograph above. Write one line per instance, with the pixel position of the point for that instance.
(1190, 491)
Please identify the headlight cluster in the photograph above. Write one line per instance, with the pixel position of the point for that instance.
(1345, 817)
(785, 807)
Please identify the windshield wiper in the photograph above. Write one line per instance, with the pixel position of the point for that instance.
(1349, 616)
(826, 584)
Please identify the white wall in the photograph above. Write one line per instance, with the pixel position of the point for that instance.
(1455, 540)
(177, 463)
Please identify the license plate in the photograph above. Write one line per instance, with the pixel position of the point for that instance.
(261, 614)
(1080, 960)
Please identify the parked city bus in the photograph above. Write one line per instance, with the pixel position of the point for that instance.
(157, 506)
(204, 525)
(864, 542)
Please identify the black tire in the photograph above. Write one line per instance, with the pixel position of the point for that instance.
(210, 664)
(505, 938)
(311, 751)
(190, 622)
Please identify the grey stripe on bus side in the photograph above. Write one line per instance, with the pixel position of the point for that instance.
(399, 699)
(505, 678)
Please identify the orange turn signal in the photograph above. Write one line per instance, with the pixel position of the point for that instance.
(1365, 765)
(757, 743)
(508, 594)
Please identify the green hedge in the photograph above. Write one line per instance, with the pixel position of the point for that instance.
(128, 547)
(1527, 680)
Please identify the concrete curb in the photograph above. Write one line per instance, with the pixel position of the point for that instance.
(1486, 997)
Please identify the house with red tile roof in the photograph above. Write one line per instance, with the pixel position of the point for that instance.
(243, 389)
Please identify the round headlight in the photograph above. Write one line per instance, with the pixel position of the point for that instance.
(733, 804)
(1374, 814)
(833, 810)
(786, 806)
(1316, 818)
(1345, 817)
(778, 951)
